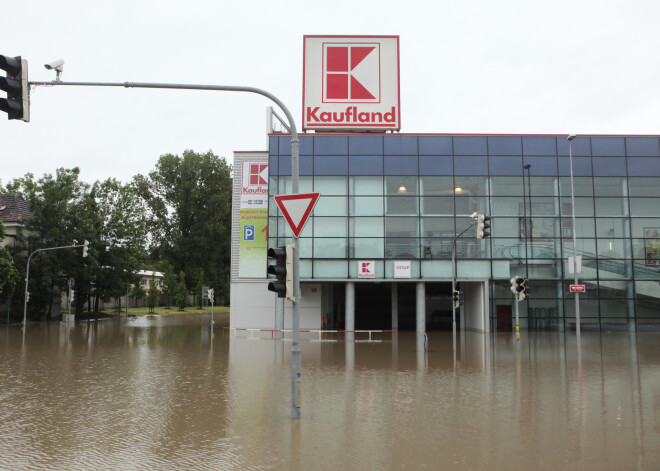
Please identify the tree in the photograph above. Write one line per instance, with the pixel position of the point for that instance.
(8, 272)
(152, 298)
(169, 284)
(198, 289)
(189, 201)
(182, 292)
(137, 293)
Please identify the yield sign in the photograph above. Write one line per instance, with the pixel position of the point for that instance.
(296, 209)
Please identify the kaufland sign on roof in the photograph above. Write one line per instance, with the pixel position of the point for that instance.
(351, 82)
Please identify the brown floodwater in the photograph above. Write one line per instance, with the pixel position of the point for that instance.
(165, 393)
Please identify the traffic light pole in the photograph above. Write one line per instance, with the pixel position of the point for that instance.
(295, 144)
(453, 275)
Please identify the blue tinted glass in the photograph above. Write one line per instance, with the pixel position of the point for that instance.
(306, 165)
(305, 147)
(643, 146)
(365, 145)
(273, 167)
(609, 166)
(471, 165)
(272, 145)
(539, 145)
(436, 165)
(581, 166)
(331, 145)
(581, 146)
(504, 145)
(505, 165)
(365, 165)
(644, 166)
(285, 165)
(330, 165)
(470, 145)
(400, 145)
(607, 146)
(435, 145)
(541, 166)
(400, 165)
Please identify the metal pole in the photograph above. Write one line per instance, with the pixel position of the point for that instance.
(517, 323)
(575, 272)
(453, 275)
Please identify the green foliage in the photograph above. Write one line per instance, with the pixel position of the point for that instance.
(169, 283)
(182, 292)
(8, 272)
(198, 289)
(152, 297)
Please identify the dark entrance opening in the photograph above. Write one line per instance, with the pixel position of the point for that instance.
(439, 307)
(373, 306)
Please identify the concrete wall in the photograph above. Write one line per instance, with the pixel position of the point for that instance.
(252, 305)
(476, 306)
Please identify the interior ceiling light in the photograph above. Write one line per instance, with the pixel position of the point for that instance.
(458, 189)
(402, 189)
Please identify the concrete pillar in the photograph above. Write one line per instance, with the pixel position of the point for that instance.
(395, 306)
(420, 307)
(350, 306)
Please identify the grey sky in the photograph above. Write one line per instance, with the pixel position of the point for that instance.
(466, 67)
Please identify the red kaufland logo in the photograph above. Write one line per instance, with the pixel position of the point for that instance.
(366, 269)
(351, 73)
(258, 174)
(255, 178)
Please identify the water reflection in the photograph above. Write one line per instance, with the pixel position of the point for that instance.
(170, 392)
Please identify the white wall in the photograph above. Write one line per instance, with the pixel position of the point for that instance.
(476, 305)
(252, 305)
(310, 307)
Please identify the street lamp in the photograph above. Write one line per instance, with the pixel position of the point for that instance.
(575, 271)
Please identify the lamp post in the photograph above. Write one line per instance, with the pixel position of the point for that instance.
(529, 196)
(575, 271)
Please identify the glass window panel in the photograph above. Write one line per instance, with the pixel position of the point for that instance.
(399, 205)
(471, 185)
(283, 229)
(305, 185)
(505, 165)
(539, 207)
(583, 207)
(366, 248)
(585, 228)
(581, 167)
(584, 186)
(581, 145)
(365, 165)
(330, 248)
(470, 145)
(611, 272)
(366, 185)
(543, 228)
(327, 185)
(645, 228)
(643, 146)
(331, 206)
(473, 269)
(539, 145)
(330, 268)
(400, 185)
(272, 207)
(471, 247)
(272, 227)
(436, 165)
(466, 205)
(306, 165)
(401, 227)
(643, 186)
(435, 145)
(643, 166)
(648, 250)
(647, 291)
(436, 269)
(543, 248)
(284, 164)
(437, 247)
(400, 145)
(608, 186)
(401, 248)
(645, 206)
(330, 227)
(612, 227)
(504, 145)
(437, 205)
(647, 269)
(585, 247)
(437, 227)
(305, 269)
(611, 207)
(613, 313)
(273, 167)
(365, 145)
(272, 145)
(609, 146)
(614, 248)
(306, 245)
(542, 186)
(609, 167)
(471, 165)
(396, 165)
(367, 227)
(506, 206)
(505, 227)
(549, 270)
(437, 186)
(306, 146)
(366, 206)
(330, 145)
(508, 248)
(507, 186)
(329, 165)
(539, 166)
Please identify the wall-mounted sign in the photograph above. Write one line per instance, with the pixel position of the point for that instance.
(402, 269)
(351, 82)
(366, 269)
(253, 243)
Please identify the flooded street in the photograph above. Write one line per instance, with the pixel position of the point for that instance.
(164, 393)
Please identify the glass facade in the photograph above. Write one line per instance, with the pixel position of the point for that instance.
(393, 197)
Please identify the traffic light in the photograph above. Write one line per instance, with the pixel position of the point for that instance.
(283, 271)
(525, 291)
(85, 248)
(72, 296)
(17, 103)
(210, 294)
(519, 287)
(456, 298)
(482, 225)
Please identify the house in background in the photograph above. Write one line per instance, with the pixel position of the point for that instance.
(13, 212)
(145, 278)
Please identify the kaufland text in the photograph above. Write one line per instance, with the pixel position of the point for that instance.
(351, 115)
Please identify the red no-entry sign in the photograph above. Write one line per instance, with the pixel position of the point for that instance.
(577, 289)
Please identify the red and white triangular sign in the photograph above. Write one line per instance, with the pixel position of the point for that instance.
(296, 209)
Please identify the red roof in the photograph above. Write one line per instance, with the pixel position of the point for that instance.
(13, 208)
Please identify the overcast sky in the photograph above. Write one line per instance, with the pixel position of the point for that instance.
(466, 67)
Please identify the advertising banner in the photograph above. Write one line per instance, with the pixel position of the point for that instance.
(652, 246)
(253, 242)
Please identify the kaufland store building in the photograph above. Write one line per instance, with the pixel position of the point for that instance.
(377, 251)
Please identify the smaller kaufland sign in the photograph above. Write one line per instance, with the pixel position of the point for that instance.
(366, 269)
(351, 82)
(402, 269)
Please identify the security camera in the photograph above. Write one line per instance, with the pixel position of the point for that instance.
(56, 64)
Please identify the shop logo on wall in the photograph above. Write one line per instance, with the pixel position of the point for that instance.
(248, 232)
(351, 82)
(255, 178)
(402, 269)
(366, 269)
